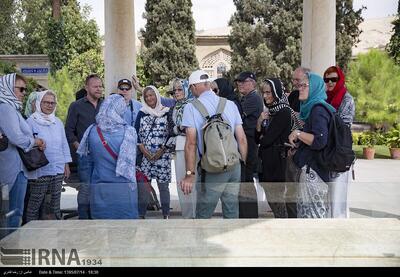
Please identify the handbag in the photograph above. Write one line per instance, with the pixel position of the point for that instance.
(33, 159)
(3, 142)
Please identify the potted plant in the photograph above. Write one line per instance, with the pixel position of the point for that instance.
(368, 139)
(393, 142)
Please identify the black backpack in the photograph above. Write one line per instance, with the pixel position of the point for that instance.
(337, 155)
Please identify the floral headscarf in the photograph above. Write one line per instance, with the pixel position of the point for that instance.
(110, 119)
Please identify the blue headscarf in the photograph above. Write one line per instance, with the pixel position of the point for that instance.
(180, 104)
(110, 119)
(316, 95)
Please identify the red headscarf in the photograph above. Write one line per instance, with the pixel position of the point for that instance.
(335, 96)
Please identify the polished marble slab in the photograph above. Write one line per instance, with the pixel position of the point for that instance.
(218, 242)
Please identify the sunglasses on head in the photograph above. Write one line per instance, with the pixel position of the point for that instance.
(333, 79)
(21, 89)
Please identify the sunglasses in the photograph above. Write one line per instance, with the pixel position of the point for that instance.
(333, 79)
(124, 88)
(21, 89)
(215, 90)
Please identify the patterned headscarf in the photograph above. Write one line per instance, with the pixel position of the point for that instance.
(28, 106)
(316, 95)
(7, 95)
(159, 110)
(110, 119)
(40, 117)
(280, 102)
(180, 104)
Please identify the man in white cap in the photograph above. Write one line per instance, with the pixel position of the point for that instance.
(213, 186)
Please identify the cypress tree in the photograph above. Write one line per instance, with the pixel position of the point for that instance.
(394, 44)
(266, 36)
(169, 40)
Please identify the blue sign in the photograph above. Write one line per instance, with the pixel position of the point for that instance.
(36, 70)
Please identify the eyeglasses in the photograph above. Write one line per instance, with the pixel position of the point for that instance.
(124, 88)
(333, 79)
(47, 103)
(21, 89)
(301, 86)
(267, 92)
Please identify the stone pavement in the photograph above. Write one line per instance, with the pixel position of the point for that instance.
(374, 193)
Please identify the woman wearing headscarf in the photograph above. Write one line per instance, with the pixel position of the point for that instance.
(182, 95)
(226, 90)
(48, 179)
(281, 121)
(343, 102)
(312, 199)
(154, 131)
(108, 142)
(12, 171)
(30, 105)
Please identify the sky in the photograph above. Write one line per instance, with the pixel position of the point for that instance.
(209, 14)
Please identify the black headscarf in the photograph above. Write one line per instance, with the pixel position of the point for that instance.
(227, 91)
(280, 101)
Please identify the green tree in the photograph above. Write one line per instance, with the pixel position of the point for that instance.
(347, 31)
(72, 35)
(169, 39)
(266, 36)
(394, 45)
(64, 85)
(9, 42)
(374, 81)
(84, 64)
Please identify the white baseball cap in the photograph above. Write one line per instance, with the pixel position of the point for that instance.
(198, 76)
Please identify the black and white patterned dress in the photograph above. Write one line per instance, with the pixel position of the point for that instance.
(153, 133)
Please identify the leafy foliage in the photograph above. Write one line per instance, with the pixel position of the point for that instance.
(374, 81)
(394, 45)
(347, 31)
(64, 85)
(169, 39)
(266, 36)
(9, 41)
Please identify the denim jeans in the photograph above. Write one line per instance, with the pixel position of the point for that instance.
(224, 186)
(17, 196)
(84, 189)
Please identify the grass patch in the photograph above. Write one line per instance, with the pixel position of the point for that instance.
(381, 151)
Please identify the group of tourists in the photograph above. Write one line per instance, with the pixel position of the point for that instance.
(123, 144)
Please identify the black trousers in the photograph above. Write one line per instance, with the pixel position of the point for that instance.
(248, 205)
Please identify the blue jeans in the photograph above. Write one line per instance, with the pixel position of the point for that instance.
(17, 196)
(224, 186)
(84, 167)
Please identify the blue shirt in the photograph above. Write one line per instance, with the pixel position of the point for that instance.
(19, 133)
(57, 149)
(132, 111)
(192, 118)
(318, 125)
(103, 164)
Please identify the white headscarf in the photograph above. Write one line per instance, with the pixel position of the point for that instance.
(7, 95)
(159, 110)
(38, 115)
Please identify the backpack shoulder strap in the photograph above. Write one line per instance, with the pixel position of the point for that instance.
(200, 107)
(221, 105)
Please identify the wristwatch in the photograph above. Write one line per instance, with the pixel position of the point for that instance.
(189, 172)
